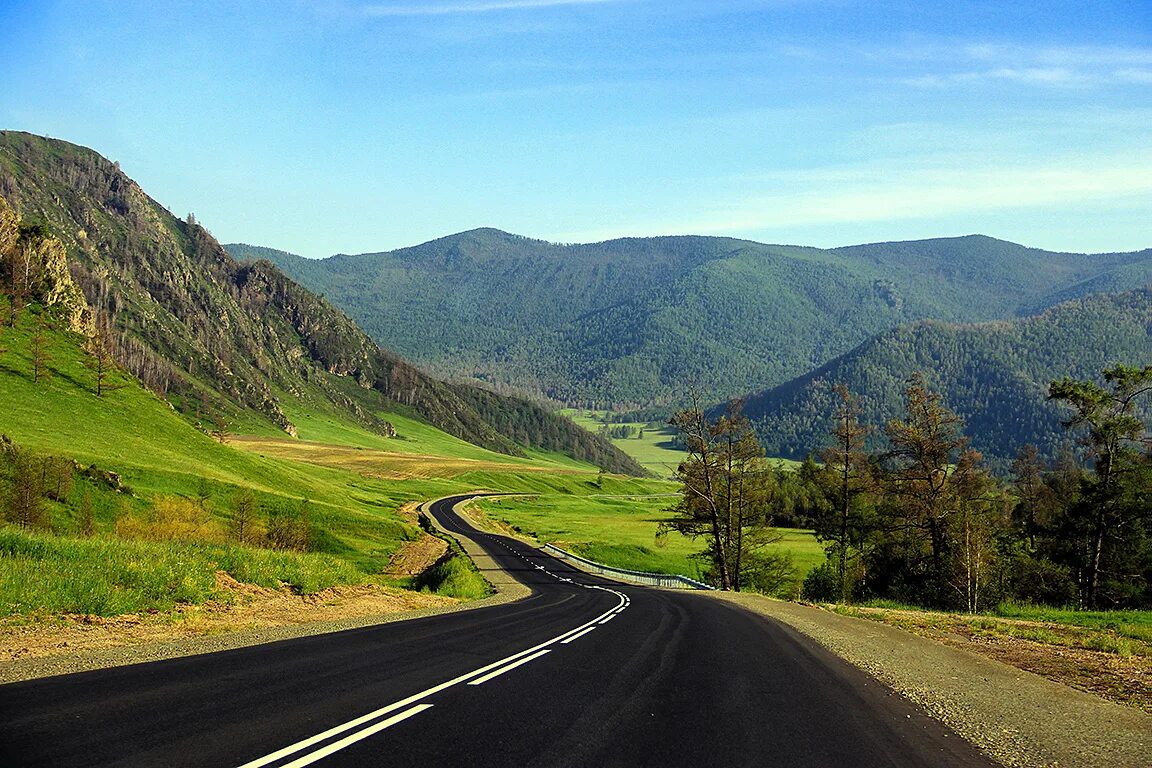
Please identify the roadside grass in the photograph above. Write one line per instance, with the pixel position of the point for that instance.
(454, 576)
(1133, 624)
(1123, 633)
(106, 576)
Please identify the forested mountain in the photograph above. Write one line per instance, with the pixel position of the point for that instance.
(221, 340)
(995, 375)
(637, 321)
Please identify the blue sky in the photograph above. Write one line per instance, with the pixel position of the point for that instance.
(341, 126)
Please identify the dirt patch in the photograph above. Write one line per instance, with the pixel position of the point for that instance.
(242, 607)
(415, 557)
(387, 465)
(1124, 679)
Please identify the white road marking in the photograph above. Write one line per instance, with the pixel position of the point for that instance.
(510, 667)
(487, 672)
(577, 636)
(348, 741)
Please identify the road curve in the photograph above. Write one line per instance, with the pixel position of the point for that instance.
(584, 672)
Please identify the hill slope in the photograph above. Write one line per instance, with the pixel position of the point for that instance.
(234, 342)
(995, 375)
(639, 320)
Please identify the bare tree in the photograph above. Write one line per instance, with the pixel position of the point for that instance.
(39, 353)
(25, 503)
(100, 358)
(87, 516)
(245, 511)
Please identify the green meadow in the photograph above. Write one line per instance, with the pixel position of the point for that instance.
(351, 482)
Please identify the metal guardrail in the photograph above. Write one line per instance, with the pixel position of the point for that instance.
(637, 577)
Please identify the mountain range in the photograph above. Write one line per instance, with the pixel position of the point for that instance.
(994, 375)
(232, 343)
(638, 322)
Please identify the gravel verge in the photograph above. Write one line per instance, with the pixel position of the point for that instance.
(48, 666)
(1018, 718)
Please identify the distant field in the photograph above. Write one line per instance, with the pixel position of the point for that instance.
(650, 443)
(389, 465)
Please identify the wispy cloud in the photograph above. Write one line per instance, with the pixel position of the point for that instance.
(484, 6)
(870, 194)
(1050, 76)
(837, 197)
(1043, 66)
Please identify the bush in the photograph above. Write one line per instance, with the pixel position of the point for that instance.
(454, 575)
(822, 584)
(172, 518)
(1040, 581)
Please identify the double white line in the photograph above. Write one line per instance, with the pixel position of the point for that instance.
(409, 705)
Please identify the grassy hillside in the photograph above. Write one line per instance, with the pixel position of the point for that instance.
(170, 521)
(994, 375)
(223, 341)
(637, 321)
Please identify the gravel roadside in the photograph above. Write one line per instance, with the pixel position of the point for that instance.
(1016, 717)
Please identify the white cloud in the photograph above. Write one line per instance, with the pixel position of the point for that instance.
(484, 6)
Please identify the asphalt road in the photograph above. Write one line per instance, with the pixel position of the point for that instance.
(585, 672)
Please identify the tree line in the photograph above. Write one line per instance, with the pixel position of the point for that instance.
(923, 520)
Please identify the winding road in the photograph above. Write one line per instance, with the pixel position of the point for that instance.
(584, 672)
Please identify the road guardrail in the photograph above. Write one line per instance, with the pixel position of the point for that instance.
(668, 581)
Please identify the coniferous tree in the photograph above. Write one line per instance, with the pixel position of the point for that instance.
(922, 498)
(1113, 512)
